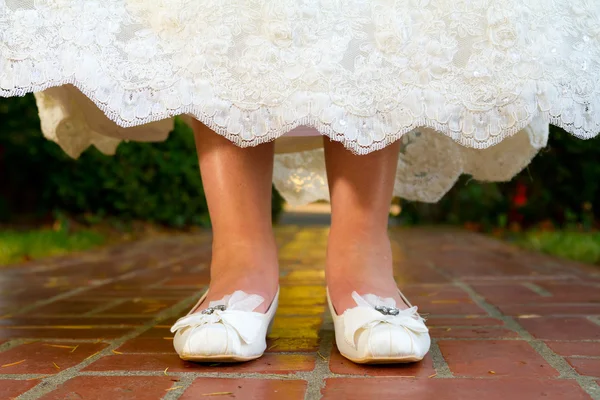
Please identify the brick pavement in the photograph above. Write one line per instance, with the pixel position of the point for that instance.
(505, 323)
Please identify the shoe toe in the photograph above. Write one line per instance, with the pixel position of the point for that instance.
(390, 341)
(207, 340)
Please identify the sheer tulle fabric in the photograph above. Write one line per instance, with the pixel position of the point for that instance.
(435, 74)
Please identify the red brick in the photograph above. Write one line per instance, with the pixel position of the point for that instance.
(448, 307)
(268, 364)
(572, 292)
(550, 309)
(422, 293)
(586, 366)
(10, 389)
(502, 294)
(505, 295)
(113, 388)
(441, 299)
(478, 263)
(505, 358)
(148, 345)
(451, 389)
(338, 364)
(143, 306)
(128, 292)
(168, 322)
(471, 320)
(472, 333)
(198, 280)
(28, 322)
(32, 294)
(247, 389)
(158, 332)
(52, 332)
(69, 306)
(38, 357)
(590, 349)
(561, 328)
(410, 273)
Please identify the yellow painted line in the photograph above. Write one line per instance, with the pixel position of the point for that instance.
(96, 353)
(11, 364)
(60, 346)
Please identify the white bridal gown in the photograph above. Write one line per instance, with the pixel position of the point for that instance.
(468, 86)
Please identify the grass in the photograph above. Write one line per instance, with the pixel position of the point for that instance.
(18, 246)
(578, 246)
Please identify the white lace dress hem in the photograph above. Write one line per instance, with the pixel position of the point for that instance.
(445, 77)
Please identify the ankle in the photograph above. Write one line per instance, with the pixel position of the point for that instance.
(359, 261)
(244, 257)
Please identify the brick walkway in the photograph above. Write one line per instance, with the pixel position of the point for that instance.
(506, 325)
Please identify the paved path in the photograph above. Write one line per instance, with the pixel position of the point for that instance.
(506, 325)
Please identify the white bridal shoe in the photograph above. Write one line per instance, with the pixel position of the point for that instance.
(376, 332)
(227, 331)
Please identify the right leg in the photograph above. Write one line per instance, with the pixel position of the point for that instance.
(237, 184)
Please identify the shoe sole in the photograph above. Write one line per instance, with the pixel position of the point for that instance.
(385, 360)
(219, 358)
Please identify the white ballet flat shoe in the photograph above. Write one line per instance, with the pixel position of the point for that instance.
(376, 332)
(227, 331)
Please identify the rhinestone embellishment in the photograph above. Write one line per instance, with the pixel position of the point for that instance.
(387, 310)
(211, 310)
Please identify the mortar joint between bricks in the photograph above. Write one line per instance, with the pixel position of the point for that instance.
(52, 382)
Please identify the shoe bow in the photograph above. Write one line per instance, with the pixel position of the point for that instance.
(237, 314)
(366, 316)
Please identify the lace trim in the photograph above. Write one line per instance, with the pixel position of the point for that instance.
(362, 127)
(429, 164)
(364, 73)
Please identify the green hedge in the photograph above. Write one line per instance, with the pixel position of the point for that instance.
(157, 182)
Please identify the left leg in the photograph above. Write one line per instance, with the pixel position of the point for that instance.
(359, 256)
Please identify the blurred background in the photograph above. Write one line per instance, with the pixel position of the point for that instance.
(51, 204)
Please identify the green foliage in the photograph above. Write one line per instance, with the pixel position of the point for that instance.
(22, 246)
(561, 186)
(155, 182)
(578, 246)
(159, 182)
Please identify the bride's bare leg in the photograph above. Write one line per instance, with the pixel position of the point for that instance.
(359, 256)
(237, 183)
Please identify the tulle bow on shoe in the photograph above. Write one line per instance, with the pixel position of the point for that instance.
(373, 310)
(235, 311)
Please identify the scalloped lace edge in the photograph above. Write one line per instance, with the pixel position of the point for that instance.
(311, 121)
